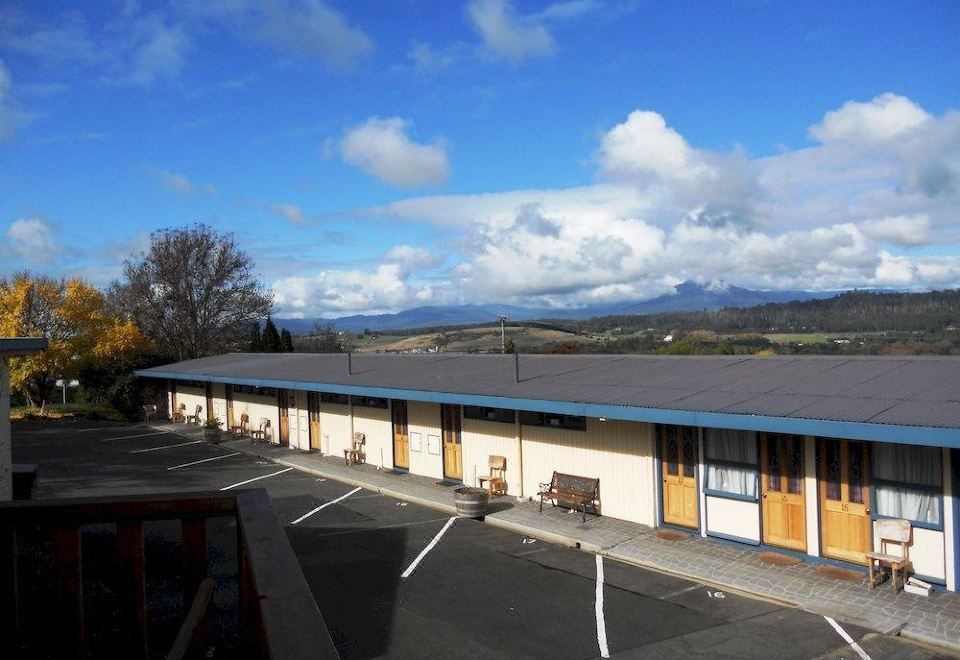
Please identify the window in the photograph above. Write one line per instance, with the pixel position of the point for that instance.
(330, 397)
(504, 415)
(731, 462)
(370, 402)
(256, 391)
(908, 482)
(553, 420)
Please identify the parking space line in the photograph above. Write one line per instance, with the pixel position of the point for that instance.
(848, 639)
(598, 607)
(678, 592)
(128, 437)
(103, 428)
(324, 506)
(263, 476)
(357, 530)
(423, 553)
(203, 460)
(181, 444)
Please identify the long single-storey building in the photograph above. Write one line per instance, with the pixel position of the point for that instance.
(801, 454)
(11, 347)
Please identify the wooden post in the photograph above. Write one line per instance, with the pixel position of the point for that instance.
(68, 569)
(133, 594)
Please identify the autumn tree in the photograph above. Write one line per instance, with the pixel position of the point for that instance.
(74, 317)
(193, 292)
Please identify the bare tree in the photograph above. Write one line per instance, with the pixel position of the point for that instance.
(193, 292)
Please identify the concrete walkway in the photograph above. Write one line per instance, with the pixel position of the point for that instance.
(732, 566)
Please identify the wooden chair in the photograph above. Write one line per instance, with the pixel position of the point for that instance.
(180, 414)
(243, 428)
(149, 411)
(496, 484)
(355, 454)
(195, 417)
(895, 532)
(260, 434)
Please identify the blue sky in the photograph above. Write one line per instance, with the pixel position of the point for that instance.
(374, 156)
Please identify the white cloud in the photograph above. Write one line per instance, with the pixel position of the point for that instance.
(32, 240)
(883, 118)
(181, 183)
(159, 52)
(506, 34)
(901, 229)
(381, 148)
(306, 28)
(10, 118)
(644, 145)
(290, 212)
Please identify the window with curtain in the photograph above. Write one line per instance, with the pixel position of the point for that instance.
(908, 482)
(731, 461)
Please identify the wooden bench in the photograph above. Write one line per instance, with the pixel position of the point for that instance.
(896, 532)
(572, 491)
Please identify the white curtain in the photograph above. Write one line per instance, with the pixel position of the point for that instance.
(908, 465)
(731, 458)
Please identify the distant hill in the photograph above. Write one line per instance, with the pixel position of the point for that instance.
(688, 296)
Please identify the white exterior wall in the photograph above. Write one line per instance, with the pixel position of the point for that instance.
(257, 406)
(735, 518)
(192, 397)
(220, 404)
(375, 424)
(6, 477)
(619, 453)
(335, 429)
(481, 439)
(948, 528)
(423, 418)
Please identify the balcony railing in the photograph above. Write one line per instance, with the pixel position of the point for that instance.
(184, 575)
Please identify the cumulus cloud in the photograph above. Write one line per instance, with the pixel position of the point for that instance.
(290, 212)
(507, 34)
(159, 51)
(32, 240)
(902, 229)
(883, 118)
(381, 148)
(306, 28)
(181, 183)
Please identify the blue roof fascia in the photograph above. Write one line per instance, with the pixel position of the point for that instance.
(913, 435)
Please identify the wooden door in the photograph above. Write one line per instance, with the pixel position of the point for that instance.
(781, 491)
(679, 449)
(284, 410)
(845, 528)
(228, 394)
(313, 406)
(452, 447)
(209, 393)
(401, 438)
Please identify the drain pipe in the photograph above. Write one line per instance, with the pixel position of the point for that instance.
(349, 363)
(516, 367)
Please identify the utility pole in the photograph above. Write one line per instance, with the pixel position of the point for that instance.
(503, 332)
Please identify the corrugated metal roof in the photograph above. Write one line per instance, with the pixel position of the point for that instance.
(895, 390)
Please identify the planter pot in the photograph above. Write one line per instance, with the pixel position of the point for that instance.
(471, 502)
(212, 435)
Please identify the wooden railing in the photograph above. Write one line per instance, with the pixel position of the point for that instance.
(42, 581)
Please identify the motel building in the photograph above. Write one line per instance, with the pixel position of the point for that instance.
(799, 454)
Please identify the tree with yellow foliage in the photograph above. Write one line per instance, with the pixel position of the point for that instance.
(73, 316)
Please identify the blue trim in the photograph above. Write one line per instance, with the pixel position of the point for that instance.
(955, 493)
(729, 496)
(731, 537)
(933, 580)
(916, 435)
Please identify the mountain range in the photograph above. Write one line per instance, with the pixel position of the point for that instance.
(687, 296)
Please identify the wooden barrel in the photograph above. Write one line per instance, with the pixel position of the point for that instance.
(471, 502)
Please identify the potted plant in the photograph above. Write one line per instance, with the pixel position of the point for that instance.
(211, 429)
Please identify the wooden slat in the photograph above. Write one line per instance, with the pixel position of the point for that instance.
(194, 554)
(190, 634)
(68, 570)
(133, 592)
(71, 512)
(11, 620)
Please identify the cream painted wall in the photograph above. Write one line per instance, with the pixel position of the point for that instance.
(811, 495)
(948, 528)
(6, 478)
(335, 432)
(733, 518)
(257, 406)
(192, 397)
(424, 418)
(481, 439)
(375, 423)
(619, 453)
(220, 404)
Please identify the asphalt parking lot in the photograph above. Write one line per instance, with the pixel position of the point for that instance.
(397, 580)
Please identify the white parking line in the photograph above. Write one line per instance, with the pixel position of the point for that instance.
(324, 506)
(182, 444)
(848, 639)
(423, 553)
(101, 428)
(127, 437)
(598, 607)
(203, 460)
(264, 476)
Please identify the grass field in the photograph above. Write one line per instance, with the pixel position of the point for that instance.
(802, 337)
(469, 339)
(65, 411)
